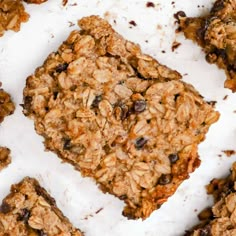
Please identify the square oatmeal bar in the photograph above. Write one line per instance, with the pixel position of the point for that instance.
(30, 210)
(220, 220)
(118, 116)
(216, 34)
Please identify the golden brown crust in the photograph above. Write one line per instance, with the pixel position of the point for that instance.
(118, 116)
(220, 220)
(30, 210)
(216, 33)
(12, 14)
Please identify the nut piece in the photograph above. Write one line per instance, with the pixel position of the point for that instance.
(12, 14)
(30, 210)
(216, 33)
(5, 158)
(220, 220)
(118, 115)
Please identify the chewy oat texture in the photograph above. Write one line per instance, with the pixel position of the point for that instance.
(29, 210)
(220, 220)
(216, 33)
(7, 107)
(12, 14)
(5, 158)
(118, 116)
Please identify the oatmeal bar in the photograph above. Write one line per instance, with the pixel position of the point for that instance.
(220, 220)
(216, 34)
(30, 210)
(5, 158)
(118, 116)
(7, 107)
(12, 14)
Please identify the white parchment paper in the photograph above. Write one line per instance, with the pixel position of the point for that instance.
(95, 213)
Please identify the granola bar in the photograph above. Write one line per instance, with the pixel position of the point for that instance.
(220, 220)
(118, 116)
(12, 14)
(30, 210)
(5, 158)
(7, 107)
(216, 34)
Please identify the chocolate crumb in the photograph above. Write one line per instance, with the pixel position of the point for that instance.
(61, 67)
(163, 51)
(225, 97)
(99, 210)
(175, 45)
(132, 22)
(150, 4)
(178, 15)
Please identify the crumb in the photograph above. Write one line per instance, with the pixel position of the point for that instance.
(225, 97)
(64, 2)
(71, 23)
(219, 155)
(175, 45)
(150, 4)
(159, 27)
(229, 153)
(99, 210)
(163, 51)
(213, 103)
(185, 74)
(132, 22)
(146, 41)
(73, 4)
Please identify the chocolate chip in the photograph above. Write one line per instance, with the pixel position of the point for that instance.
(96, 101)
(165, 179)
(5, 208)
(173, 158)
(179, 14)
(24, 215)
(67, 144)
(61, 67)
(139, 106)
(55, 95)
(218, 5)
(140, 142)
(132, 22)
(176, 97)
